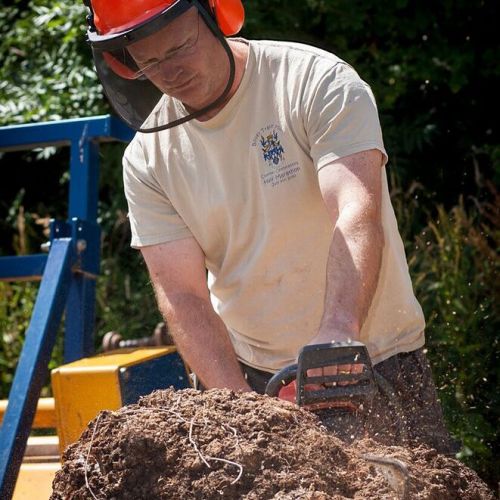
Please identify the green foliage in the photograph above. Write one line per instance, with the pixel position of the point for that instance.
(46, 71)
(460, 288)
(16, 303)
(454, 265)
(125, 299)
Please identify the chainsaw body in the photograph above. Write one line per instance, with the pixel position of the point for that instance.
(354, 389)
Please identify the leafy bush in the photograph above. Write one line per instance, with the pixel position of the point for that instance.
(454, 265)
(46, 72)
(125, 299)
(16, 303)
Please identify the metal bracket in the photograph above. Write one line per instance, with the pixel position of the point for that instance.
(85, 236)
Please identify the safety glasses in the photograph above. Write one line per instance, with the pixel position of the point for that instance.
(186, 47)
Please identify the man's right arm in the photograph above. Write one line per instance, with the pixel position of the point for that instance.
(177, 271)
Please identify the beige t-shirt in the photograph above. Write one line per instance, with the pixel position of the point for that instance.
(244, 185)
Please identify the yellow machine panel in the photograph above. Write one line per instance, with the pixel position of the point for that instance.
(35, 481)
(109, 381)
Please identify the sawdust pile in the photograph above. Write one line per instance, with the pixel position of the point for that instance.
(187, 444)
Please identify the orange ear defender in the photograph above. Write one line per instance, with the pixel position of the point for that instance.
(119, 68)
(229, 14)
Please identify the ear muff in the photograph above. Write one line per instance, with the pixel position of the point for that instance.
(118, 67)
(229, 14)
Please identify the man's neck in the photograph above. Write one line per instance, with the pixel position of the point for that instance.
(240, 49)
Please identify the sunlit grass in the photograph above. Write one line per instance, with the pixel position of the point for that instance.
(454, 264)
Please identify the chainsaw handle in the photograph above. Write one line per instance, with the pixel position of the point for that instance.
(338, 389)
(358, 387)
(280, 379)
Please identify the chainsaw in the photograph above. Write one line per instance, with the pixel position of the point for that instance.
(349, 391)
(343, 390)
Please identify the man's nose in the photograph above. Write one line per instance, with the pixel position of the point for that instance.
(171, 69)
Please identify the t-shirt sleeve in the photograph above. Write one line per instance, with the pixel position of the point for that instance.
(153, 219)
(342, 118)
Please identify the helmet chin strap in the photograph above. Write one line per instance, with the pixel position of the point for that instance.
(221, 99)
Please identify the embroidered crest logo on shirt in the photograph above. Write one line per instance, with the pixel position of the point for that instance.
(272, 149)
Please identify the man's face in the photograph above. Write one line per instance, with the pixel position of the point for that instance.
(184, 60)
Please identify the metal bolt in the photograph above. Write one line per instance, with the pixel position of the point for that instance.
(81, 246)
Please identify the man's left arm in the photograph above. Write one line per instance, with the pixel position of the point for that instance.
(352, 190)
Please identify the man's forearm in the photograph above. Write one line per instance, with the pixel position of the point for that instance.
(203, 341)
(352, 274)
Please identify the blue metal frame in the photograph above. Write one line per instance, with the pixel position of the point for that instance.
(23, 267)
(68, 274)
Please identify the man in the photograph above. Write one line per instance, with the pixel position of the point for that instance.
(263, 163)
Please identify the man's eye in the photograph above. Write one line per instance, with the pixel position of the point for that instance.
(187, 43)
(173, 51)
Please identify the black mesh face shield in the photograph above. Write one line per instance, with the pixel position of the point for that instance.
(138, 66)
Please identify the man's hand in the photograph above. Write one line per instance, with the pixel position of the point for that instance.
(289, 391)
(336, 370)
(332, 393)
(336, 336)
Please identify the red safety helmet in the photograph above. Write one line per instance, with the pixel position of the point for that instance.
(118, 16)
(116, 24)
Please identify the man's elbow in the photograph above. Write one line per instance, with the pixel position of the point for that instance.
(362, 217)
